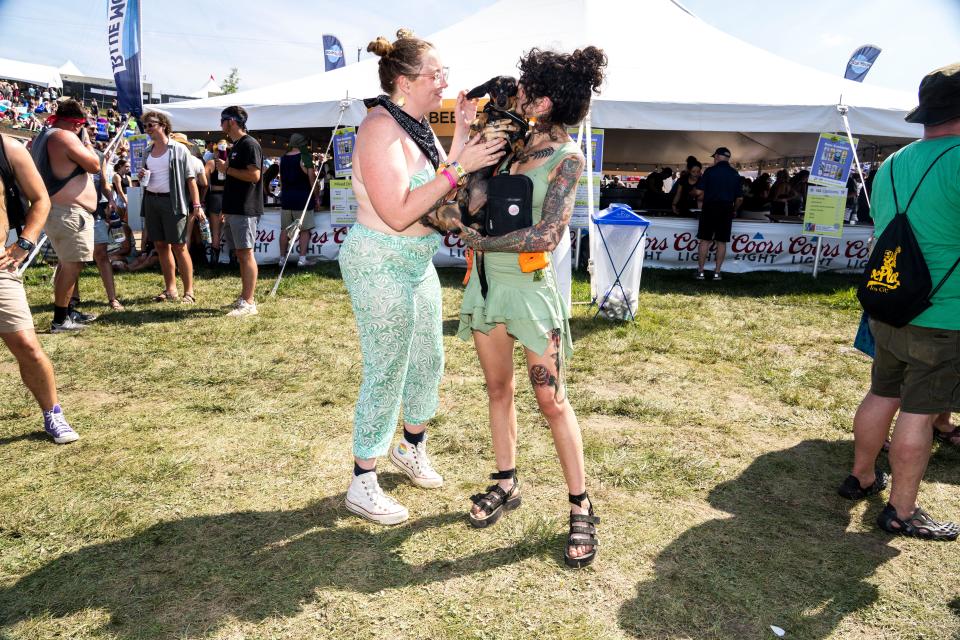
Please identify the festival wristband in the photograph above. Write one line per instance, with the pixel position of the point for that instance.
(453, 182)
(196, 205)
(461, 173)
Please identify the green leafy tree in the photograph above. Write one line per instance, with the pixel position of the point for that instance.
(231, 82)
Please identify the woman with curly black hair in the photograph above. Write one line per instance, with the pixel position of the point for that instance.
(517, 303)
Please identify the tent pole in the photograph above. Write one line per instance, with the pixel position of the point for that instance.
(588, 132)
(816, 256)
(299, 224)
(576, 260)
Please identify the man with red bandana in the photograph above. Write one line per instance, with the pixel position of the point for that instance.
(65, 158)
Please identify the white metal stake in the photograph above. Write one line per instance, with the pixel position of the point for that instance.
(576, 260)
(816, 257)
(296, 231)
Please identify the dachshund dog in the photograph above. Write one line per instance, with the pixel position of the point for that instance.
(499, 115)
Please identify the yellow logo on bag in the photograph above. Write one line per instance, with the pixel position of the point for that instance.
(886, 278)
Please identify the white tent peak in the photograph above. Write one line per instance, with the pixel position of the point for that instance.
(68, 68)
(679, 74)
(210, 88)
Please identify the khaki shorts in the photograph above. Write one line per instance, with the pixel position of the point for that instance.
(919, 365)
(289, 216)
(14, 311)
(70, 229)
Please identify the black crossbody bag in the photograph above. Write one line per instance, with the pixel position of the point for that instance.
(509, 208)
(896, 286)
(509, 202)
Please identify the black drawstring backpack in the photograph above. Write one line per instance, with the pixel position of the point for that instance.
(896, 286)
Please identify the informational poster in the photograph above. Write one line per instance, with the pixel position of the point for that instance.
(343, 205)
(103, 133)
(832, 161)
(138, 151)
(344, 140)
(581, 213)
(823, 215)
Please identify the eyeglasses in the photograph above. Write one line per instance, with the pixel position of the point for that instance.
(440, 75)
(147, 125)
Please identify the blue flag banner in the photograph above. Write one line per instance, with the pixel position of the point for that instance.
(860, 62)
(123, 39)
(333, 57)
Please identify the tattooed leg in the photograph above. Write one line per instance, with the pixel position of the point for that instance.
(542, 376)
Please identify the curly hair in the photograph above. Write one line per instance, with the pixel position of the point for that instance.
(161, 118)
(567, 79)
(400, 58)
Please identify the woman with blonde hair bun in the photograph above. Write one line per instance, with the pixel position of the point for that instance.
(400, 174)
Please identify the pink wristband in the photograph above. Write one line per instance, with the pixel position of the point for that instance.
(450, 178)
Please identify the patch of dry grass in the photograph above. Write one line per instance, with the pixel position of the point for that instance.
(205, 497)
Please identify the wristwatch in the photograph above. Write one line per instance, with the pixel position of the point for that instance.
(25, 244)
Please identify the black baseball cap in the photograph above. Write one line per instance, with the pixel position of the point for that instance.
(939, 97)
(722, 151)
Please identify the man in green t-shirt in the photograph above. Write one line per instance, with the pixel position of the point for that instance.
(917, 367)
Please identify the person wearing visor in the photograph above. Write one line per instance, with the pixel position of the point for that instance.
(65, 158)
(242, 202)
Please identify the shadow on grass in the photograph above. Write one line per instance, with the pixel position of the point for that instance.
(34, 436)
(191, 576)
(783, 558)
(167, 313)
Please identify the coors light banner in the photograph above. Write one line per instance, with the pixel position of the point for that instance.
(123, 40)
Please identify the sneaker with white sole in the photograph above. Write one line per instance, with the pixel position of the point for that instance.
(302, 261)
(81, 317)
(242, 309)
(366, 499)
(68, 325)
(414, 461)
(57, 427)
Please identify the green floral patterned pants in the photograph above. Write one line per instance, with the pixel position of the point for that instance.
(396, 301)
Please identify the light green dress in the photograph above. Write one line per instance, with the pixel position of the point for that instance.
(528, 304)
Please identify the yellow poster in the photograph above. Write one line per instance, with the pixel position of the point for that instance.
(823, 215)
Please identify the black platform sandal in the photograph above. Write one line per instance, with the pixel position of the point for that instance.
(495, 502)
(583, 533)
(918, 525)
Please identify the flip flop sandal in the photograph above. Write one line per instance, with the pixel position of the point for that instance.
(919, 525)
(495, 502)
(851, 489)
(583, 533)
(165, 296)
(188, 299)
(115, 305)
(947, 437)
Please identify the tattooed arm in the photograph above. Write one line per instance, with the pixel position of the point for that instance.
(546, 234)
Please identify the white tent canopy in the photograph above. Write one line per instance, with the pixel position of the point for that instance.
(38, 74)
(680, 74)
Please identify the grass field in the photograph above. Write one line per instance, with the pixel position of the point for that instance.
(204, 499)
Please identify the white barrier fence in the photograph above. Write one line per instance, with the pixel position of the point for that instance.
(757, 246)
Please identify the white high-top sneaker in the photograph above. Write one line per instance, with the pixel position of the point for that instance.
(366, 499)
(414, 462)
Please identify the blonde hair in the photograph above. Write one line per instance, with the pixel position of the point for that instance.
(400, 58)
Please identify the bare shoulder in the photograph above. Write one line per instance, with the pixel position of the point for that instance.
(15, 150)
(379, 125)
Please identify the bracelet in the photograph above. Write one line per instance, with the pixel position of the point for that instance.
(196, 205)
(453, 182)
(443, 165)
(461, 174)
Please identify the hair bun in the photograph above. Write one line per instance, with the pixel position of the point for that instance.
(692, 159)
(589, 62)
(380, 47)
(403, 32)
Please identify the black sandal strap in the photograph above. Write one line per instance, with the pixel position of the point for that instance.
(577, 517)
(509, 474)
(578, 499)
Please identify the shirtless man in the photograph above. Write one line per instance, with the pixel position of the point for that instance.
(65, 158)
